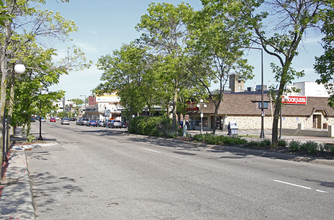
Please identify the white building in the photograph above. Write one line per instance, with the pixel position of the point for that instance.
(309, 89)
(109, 106)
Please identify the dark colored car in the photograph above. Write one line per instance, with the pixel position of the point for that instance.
(92, 123)
(52, 120)
(32, 119)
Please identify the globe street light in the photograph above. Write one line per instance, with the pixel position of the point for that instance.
(19, 68)
(201, 105)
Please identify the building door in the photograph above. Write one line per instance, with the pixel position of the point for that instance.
(317, 121)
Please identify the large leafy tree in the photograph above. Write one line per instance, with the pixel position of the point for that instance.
(129, 72)
(165, 30)
(280, 31)
(220, 34)
(325, 63)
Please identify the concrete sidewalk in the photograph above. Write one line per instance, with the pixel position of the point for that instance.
(16, 198)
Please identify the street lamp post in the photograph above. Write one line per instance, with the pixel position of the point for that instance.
(40, 113)
(201, 105)
(262, 106)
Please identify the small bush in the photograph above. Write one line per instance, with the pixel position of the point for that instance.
(30, 138)
(218, 139)
(282, 143)
(311, 147)
(294, 146)
(265, 143)
(329, 147)
(253, 144)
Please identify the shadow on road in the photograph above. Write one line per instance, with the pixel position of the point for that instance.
(322, 183)
(45, 185)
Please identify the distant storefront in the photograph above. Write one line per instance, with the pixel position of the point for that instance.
(245, 110)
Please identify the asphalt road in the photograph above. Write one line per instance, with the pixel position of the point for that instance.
(99, 173)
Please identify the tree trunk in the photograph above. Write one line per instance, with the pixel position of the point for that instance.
(11, 106)
(278, 106)
(174, 125)
(3, 97)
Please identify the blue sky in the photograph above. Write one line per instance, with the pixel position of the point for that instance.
(104, 25)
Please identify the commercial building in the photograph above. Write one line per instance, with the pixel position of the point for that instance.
(308, 107)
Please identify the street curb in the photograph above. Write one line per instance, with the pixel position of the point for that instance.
(16, 199)
(274, 155)
(254, 152)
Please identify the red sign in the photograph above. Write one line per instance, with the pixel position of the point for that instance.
(192, 106)
(297, 100)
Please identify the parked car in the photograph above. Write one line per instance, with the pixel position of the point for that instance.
(92, 123)
(32, 119)
(108, 123)
(65, 121)
(43, 119)
(84, 121)
(78, 121)
(124, 125)
(117, 124)
(100, 123)
(52, 120)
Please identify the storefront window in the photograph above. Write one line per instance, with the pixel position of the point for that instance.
(198, 121)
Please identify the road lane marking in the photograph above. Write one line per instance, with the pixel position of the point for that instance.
(292, 184)
(154, 151)
(318, 190)
(304, 187)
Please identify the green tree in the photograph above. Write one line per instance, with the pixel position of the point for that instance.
(220, 34)
(165, 31)
(128, 71)
(290, 20)
(324, 64)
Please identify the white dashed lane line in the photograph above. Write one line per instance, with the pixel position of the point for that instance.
(300, 186)
(154, 151)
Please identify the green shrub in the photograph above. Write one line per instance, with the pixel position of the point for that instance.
(282, 143)
(153, 126)
(218, 139)
(329, 147)
(265, 143)
(30, 138)
(311, 147)
(294, 146)
(233, 140)
(253, 144)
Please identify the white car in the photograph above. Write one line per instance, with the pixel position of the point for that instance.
(65, 121)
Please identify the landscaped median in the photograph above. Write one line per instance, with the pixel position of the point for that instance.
(310, 148)
(162, 127)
